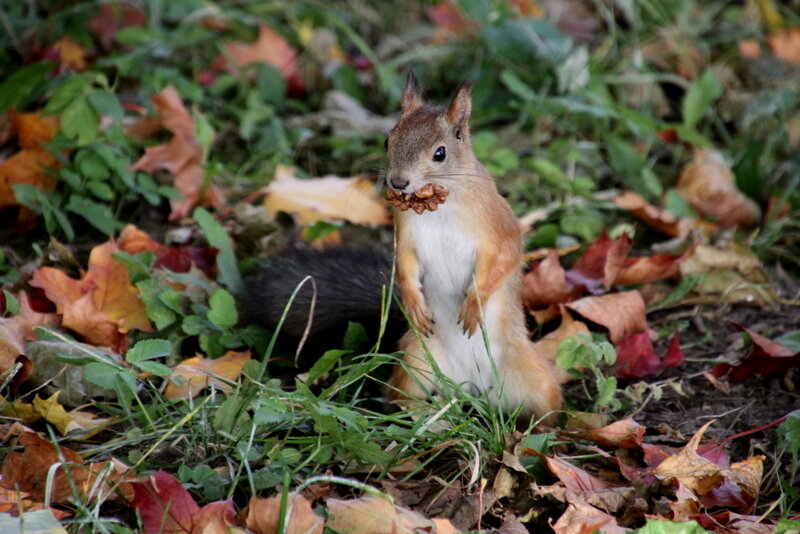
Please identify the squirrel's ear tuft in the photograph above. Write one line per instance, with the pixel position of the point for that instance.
(410, 99)
(460, 107)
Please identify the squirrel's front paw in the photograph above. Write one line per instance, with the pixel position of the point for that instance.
(422, 318)
(470, 316)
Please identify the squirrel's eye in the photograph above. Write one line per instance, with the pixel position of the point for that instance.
(440, 154)
(386, 144)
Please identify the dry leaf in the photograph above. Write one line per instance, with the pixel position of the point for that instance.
(198, 373)
(660, 219)
(181, 156)
(270, 47)
(581, 518)
(373, 514)
(636, 357)
(622, 313)
(709, 186)
(29, 470)
(166, 507)
(70, 54)
(689, 468)
(262, 515)
(103, 305)
(785, 44)
(546, 284)
(625, 433)
(766, 358)
(328, 198)
(85, 423)
(568, 328)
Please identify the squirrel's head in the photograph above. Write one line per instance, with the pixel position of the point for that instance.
(430, 144)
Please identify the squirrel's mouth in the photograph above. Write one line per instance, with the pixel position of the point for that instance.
(428, 197)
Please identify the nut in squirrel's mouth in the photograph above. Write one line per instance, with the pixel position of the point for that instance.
(428, 197)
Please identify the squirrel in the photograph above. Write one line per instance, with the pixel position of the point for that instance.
(458, 271)
(459, 267)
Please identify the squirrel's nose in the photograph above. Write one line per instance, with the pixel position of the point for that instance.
(398, 182)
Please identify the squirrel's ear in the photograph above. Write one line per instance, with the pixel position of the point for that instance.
(410, 99)
(460, 108)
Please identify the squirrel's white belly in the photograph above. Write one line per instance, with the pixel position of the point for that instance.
(446, 252)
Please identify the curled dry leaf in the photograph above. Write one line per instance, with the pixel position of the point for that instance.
(327, 198)
(708, 185)
(660, 219)
(85, 423)
(621, 313)
(262, 515)
(191, 376)
(625, 433)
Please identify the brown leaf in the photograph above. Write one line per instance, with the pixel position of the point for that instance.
(573, 477)
(581, 518)
(622, 313)
(660, 219)
(181, 156)
(29, 471)
(71, 55)
(546, 284)
(262, 516)
(270, 47)
(374, 514)
(708, 185)
(785, 44)
(103, 305)
(625, 433)
(328, 198)
(198, 373)
(568, 328)
(689, 468)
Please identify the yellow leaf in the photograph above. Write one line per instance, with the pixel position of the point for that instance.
(18, 409)
(191, 376)
(327, 198)
(65, 421)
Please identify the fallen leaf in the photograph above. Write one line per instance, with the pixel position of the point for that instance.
(29, 470)
(636, 357)
(327, 198)
(374, 514)
(110, 17)
(103, 305)
(181, 156)
(622, 313)
(767, 357)
(600, 263)
(191, 376)
(262, 515)
(71, 56)
(709, 186)
(546, 284)
(573, 477)
(581, 518)
(690, 469)
(660, 219)
(166, 507)
(29, 165)
(785, 44)
(649, 269)
(270, 47)
(85, 423)
(625, 433)
(450, 22)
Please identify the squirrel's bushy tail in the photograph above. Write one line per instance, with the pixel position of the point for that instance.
(348, 284)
